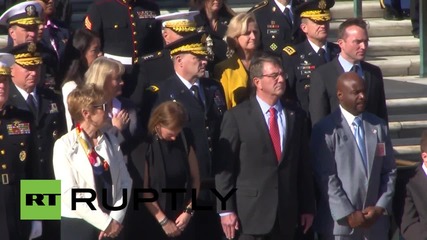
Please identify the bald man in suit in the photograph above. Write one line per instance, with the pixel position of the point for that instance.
(354, 167)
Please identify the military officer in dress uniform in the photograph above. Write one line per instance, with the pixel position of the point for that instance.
(15, 158)
(128, 29)
(47, 113)
(300, 60)
(278, 24)
(23, 21)
(157, 67)
(204, 101)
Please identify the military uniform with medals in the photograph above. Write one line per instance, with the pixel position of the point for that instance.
(15, 160)
(301, 60)
(128, 30)
(47, 119)
(276, 31)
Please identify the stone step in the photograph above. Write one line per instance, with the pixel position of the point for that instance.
(343, 10)
(393, 46)
(397, 65)
(378, 27)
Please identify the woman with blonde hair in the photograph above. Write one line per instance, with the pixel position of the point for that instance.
(106, 74)
(170, 163)
(243, 41)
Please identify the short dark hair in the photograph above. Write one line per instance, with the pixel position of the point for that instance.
(423, 142)
(342, 29)
(257, 66)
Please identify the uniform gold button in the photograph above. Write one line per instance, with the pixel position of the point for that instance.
(131, 15)
(135, 42)
(130, 8)
(22, 144)
(3, 166)
(133, 24)
(134, 33)
(1, 137)
(136, 51)
(2, 152)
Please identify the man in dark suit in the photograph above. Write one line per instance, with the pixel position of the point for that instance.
(278, 24)
(353, 41)
(354, 167)
(414, 219)
(46, 111)
(301, 60)
(263, 146)
(203, 98)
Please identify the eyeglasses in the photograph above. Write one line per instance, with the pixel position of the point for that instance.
(101, 106)
(275, 75)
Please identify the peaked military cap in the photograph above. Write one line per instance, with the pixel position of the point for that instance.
(24, 13)
(315, 10)
(180, 22)
(26, 54)
(194, 43)
(6, 61)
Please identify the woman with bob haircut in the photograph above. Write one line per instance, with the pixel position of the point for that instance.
(87, 157)
(170, 162)
(243, 41)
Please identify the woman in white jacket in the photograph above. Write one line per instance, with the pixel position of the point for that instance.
(88, 158)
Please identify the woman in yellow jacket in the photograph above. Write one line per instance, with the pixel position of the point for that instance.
(243, 40)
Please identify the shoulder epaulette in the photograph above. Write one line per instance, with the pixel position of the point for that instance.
(289, 50)
(153, 88)
(258, 6)
(152, 56)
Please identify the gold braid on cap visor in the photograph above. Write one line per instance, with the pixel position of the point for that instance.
(4, 71)
(196, 48)
(181, 25)
(26, 21)
(30, 61)
(317, 15)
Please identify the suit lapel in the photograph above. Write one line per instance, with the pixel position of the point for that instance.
(290, 122)
(80, 161)
(338, 67)
(371, 139)
(368, 79)
(16, 98)
(181, 91)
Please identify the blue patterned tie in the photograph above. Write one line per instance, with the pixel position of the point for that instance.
(359, 134)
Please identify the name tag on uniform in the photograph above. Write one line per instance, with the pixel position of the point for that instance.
(146, 14)
(18, 128)
(381, 152)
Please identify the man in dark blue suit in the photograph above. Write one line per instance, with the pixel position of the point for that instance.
(204, 101)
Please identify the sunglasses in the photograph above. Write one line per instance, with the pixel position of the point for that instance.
(101, 106)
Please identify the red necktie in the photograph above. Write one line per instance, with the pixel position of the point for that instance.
(274, 133)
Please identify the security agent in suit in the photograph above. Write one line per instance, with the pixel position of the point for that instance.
(273, 178)
(156, 67)
(354, 166)
(414, 219)
(15, 158)
(203, 99)
(46, 111)
(128, 30)
(353, 41)
(302, 59)
(277, 29)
